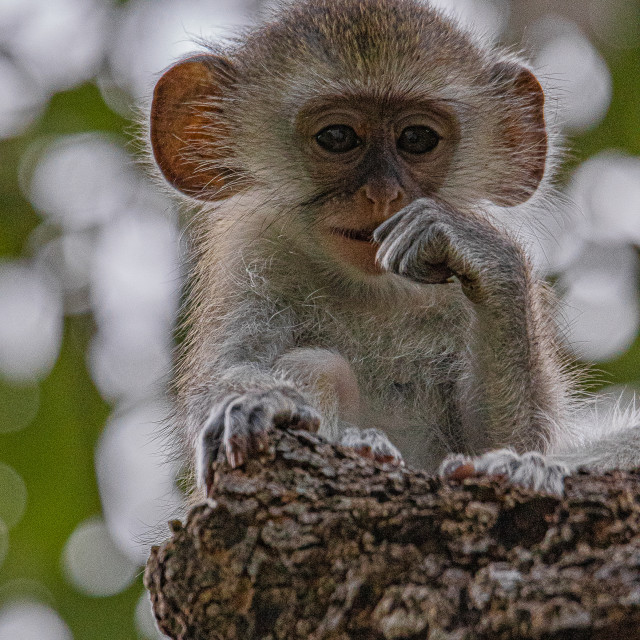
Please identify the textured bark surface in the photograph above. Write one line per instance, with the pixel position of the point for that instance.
(315, 543)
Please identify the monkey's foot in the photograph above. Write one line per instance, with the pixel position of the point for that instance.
(241, 423)
(531, 470)
(372, 444)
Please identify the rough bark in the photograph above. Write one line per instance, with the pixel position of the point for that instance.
(312, 542)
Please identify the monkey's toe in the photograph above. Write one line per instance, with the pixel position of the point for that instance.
(530, 470)
(373, 445)
(457, 467)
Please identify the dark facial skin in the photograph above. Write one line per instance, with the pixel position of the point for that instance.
(371, 160)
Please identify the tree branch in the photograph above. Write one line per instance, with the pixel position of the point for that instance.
(313, 542)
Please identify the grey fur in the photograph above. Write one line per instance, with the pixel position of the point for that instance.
(441, 367)
(372, 442)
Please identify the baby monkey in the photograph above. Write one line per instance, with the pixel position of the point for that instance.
(350, 275)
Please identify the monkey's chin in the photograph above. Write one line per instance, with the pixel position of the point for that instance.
(355, 249)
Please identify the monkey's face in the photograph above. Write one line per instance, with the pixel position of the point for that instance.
(367, 159)
(339, 113)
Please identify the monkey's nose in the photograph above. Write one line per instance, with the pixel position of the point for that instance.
(383, 194)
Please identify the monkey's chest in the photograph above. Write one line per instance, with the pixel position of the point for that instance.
(416, 408)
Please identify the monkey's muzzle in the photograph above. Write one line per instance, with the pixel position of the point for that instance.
(360, 235)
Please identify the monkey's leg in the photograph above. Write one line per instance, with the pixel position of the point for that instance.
(532, 470)
(620, 450)
(329, 379)
(313, 389)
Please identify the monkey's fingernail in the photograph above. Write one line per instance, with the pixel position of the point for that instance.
(365, 452)
(262, 442)
(462, 472)
(236, 458)
(386, 459)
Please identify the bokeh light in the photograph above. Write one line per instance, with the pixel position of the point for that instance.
(145, 621)
(601, 302)
(135, 284)
(486, 17)
(154, 34)
(30, 620)
(606, 187)
(573, 72)
(20, 100)
(13, 495)
(82, 180)
(60, 43)
(31, 327)
(136, 480)
(68, 257)
(92, 562)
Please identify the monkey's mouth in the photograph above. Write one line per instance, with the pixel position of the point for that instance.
(359, 235)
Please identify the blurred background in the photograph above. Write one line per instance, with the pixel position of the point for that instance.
(90, 273)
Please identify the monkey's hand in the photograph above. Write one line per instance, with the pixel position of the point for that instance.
(429, 242)
(372, 444)
(241, 423)
(530, 470)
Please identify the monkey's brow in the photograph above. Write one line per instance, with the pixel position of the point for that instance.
(387, 99)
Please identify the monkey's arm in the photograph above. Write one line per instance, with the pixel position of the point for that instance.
(524, 397)
(518, 389)
(314, 389)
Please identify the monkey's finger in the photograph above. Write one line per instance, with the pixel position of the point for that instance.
(209, 442)
(260, 442)
(238, 432)
(364, 451)
(452, 463)
(416, 259)
(306, 418)
(395, 223)
(259, 423)
(422, 211)
(392, 251)
(236, 449)
(406, 235)
(389, 459)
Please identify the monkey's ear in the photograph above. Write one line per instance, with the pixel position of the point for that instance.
(522, 135)
(189, 139)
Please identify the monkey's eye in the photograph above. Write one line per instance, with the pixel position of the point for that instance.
(338, 138)
(418, 139)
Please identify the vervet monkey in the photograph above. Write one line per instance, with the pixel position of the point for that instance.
(352, 159)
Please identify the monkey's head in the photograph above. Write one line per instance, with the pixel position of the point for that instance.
(344, 111)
